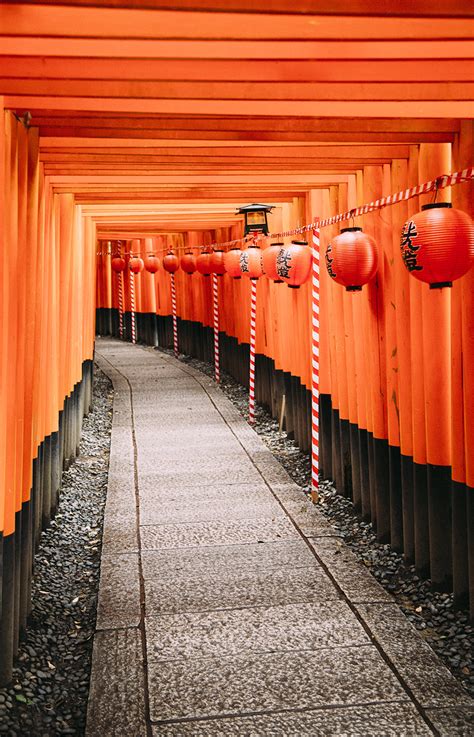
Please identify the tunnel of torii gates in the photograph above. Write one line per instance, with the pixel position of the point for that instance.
(149, 125)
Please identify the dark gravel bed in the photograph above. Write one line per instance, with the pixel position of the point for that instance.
(446, 629)
(50, 687)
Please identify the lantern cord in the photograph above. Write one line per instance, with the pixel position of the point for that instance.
(446, 180)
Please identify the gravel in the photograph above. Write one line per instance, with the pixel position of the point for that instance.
(50, 686)
(446, 629)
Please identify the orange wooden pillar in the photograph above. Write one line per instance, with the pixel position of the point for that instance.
(436, 335)
(462, 399)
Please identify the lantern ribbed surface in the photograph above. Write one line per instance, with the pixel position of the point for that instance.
(293, 263)
(351, 258)
(251, 262)
(217, 263)
(203, 263)
(152, 263)
(269, 257)
(136, 264)
(188, 263)
(171, 263)
(118, 264)
(437, 244)
(232, 262)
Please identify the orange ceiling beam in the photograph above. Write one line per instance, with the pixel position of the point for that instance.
(409, 8)
(313, 108)
(100, 22)
(276, 70)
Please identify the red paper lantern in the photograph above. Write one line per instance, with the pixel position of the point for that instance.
(232, 263)
(152, 263)
(437, 244)
(118, 264)
(351, 258)
(269, 257)
(217, 263)
(251, 262)
(203, 263)
(188, 262)
(294, 263)
(171, 262)
(136, 264)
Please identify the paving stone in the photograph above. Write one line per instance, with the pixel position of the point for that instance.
(119, 593)
(456, 721)
(308, 518)
(170, 477)
(350, 574)
(116, 699)
(287, 628)
(233, 588)
(193, 509)
(384, 720)
(229, 560)
(119, 534)
(216, 533)
(268, 681)
(424, 673)
(183, 495)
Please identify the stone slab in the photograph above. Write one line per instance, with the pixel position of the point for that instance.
(227, 464)
(287, 628)
(423, 672)
(270, 681)
(179, 477)
(308, 518)
(456, 721)
(236, 588)
(237, 532)
(230, 560)
(350, 574)
(116, 704)
(182, 495)
(385, 720)
(119, 592)
(120, 533)
(193, 509)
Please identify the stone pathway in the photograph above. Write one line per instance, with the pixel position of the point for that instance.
(228, 605)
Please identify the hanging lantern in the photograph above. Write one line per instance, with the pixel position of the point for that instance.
(251, 262)
(255, 218)
(152, 263)
(232, 263)
(203, 263)
(188, 262)
(351, 259)
(136, 264)
(437, 244)
(294, 264)
(269, 258)
(217, 262)
(171, 262)
(118, 264)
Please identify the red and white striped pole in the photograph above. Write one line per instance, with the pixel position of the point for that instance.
(215, 311)
(120, 293)
(315, 367)
(253, 334)
(132, 307)
(120, 302)
(175, 319)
